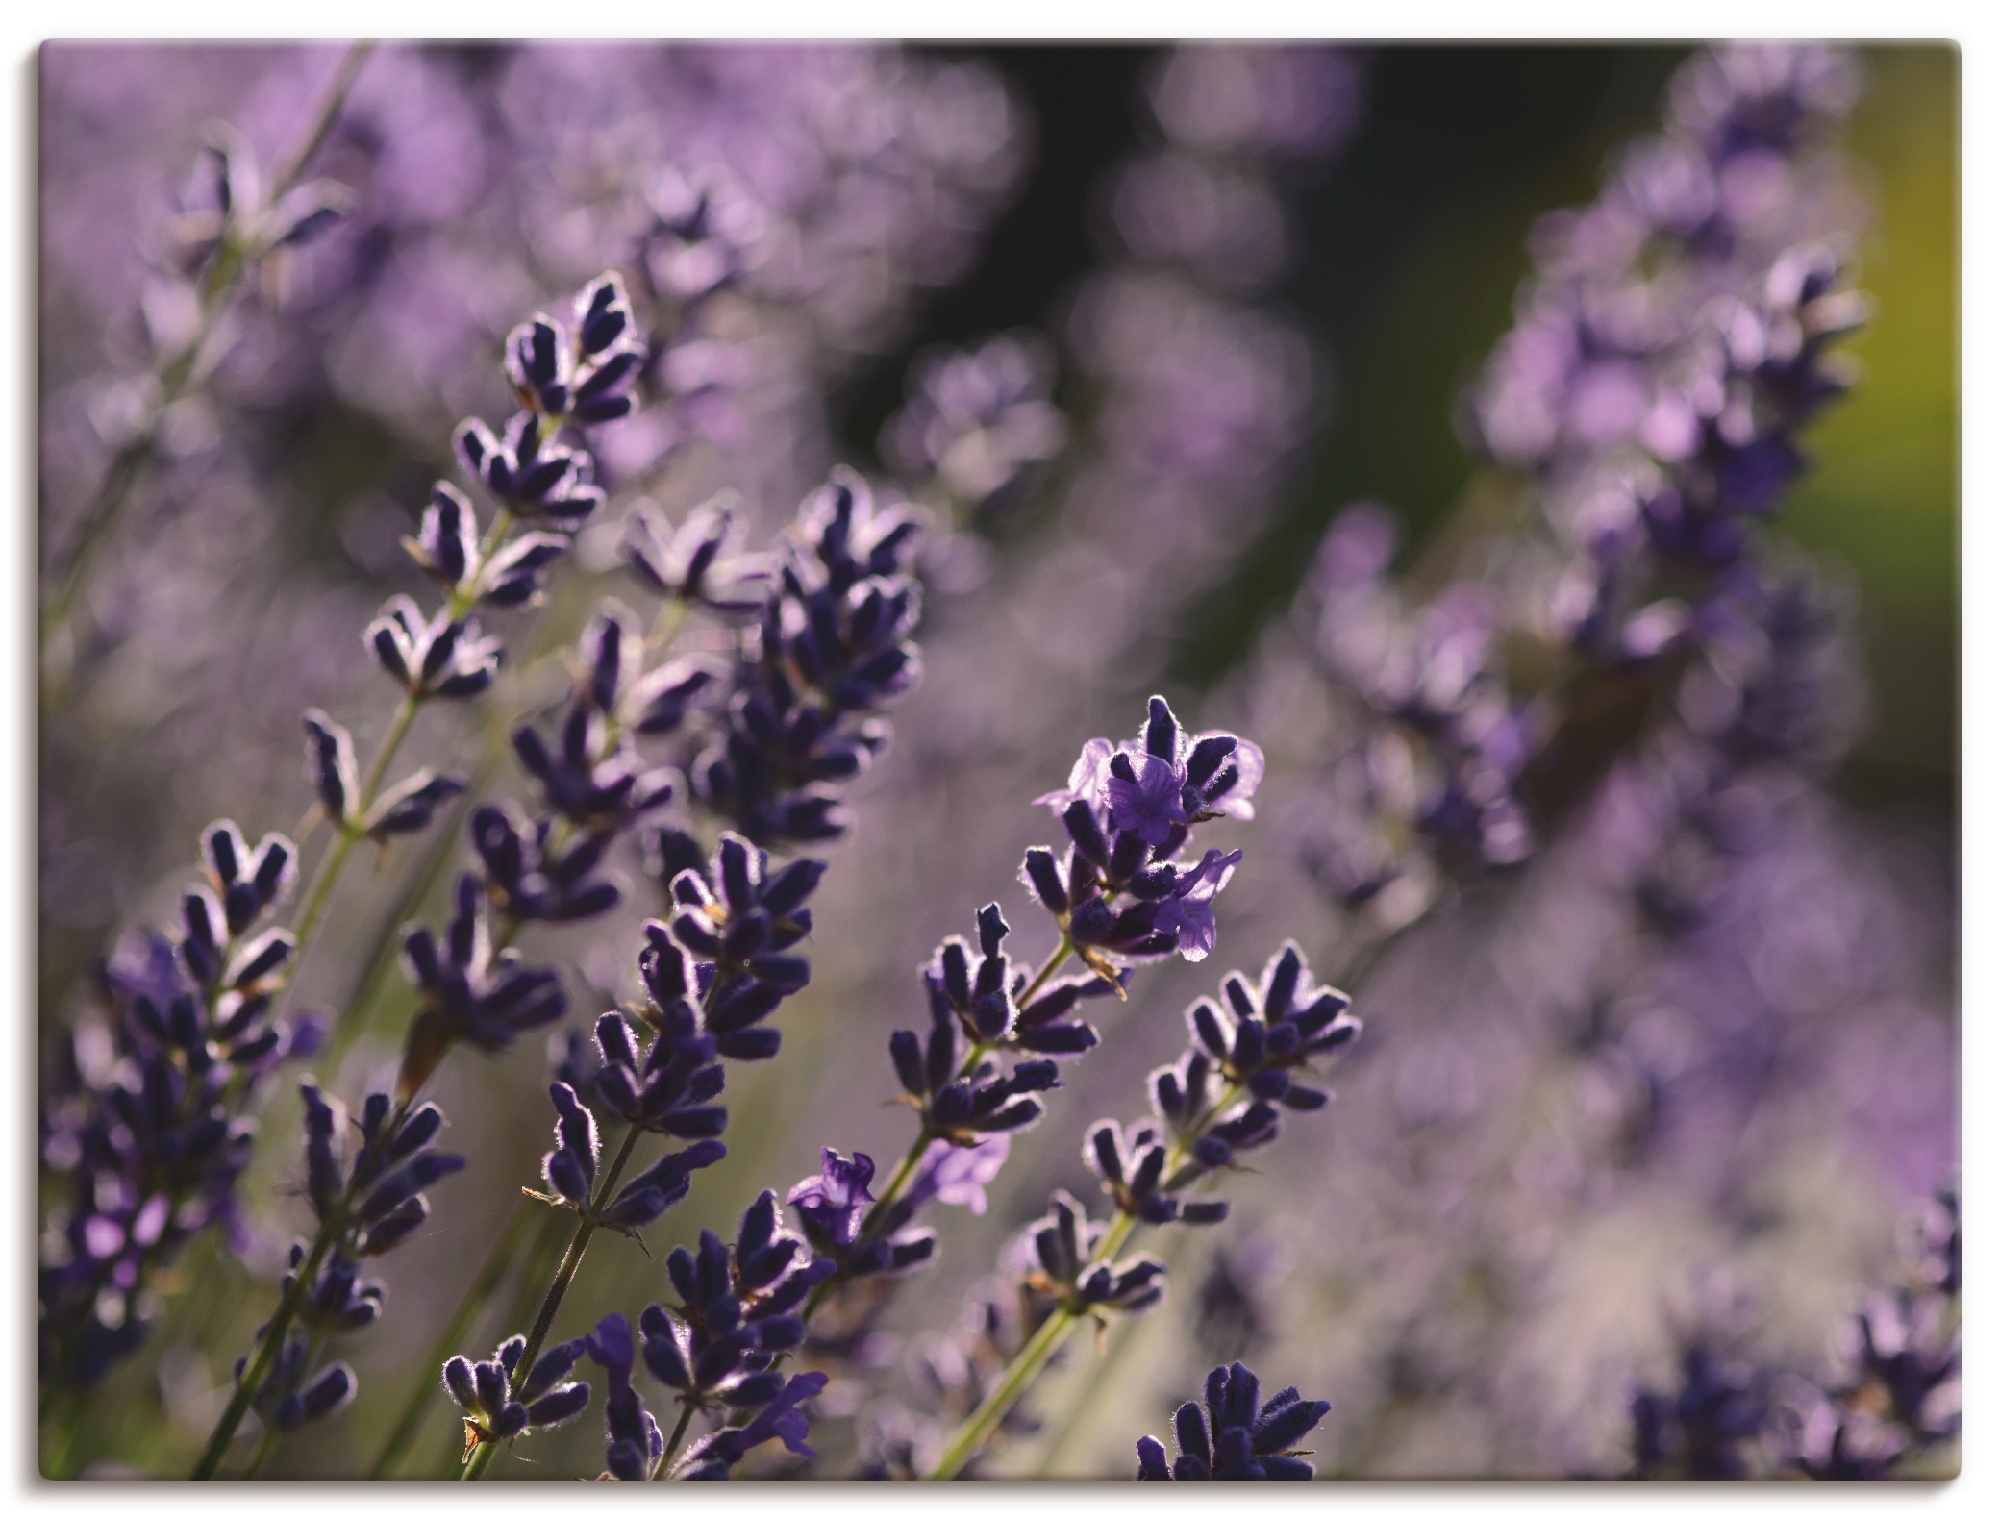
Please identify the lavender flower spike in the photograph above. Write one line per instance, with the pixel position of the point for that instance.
(1231, 1436)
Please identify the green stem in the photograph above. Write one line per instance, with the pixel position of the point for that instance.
(552, 1300)
(971, 1436)
(674, 1443)
(272, 1434)
(274, 1339)
(477, 1296)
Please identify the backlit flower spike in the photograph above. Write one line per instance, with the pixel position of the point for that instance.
(1233, 1436)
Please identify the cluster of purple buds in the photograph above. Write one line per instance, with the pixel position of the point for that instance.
(951, 1076)
(580, 376)
(738, 1312)
(1128, 811)
(406, 807)
(1900, 1393)
(830, 649)
(447, 549)
(593, 775)
(227, 966)
(719, 964)
(239, 213)
(1676, 340)
(534, 874)
(292, 1394)
(713, 1457)
(593, 781)
(1708, 1429)
(365, 1207)
(494, 1410)
(155, 1146)
(664, 1092)
(833, 1208)
(702, 561)
(1438, 744)
(1063, 1241)
(634, 1445)
(1223, 1097)
(583, 373)
(436, 656)
(1260, 1041)
(378, 1201)
(1234, 1436)
(468, 993)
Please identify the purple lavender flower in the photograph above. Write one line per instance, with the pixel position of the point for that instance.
(1128, 811)
(833, 1202)
(1187, 911)
(154, 1148)
(1234, 1435)
(701, 561)
(634, 1442)
(1064, 1243)
(494, 1411)
(469, 993)
(831, 649)
(783, 1418)
(956, 1175)
(738, 1314)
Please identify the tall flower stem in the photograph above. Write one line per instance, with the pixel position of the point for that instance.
(175, 374)
(552, 1300)
(346, 836)
(1032, 1358)
(666, 1463)
(906, 1168)
(505, 1245)
(331, 1229)
(274, 1338)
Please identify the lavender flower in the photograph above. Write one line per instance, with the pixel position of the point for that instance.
(712, 1458)
(701, 561)
(494, 1410)
(1233, 1435)
(737, 1313)
(366, 1206)
(154, 1148)
(1128, 811)
(469, 993)
(832, 1208)
(831, 648)
(634, 1442)
(447, 549)
(1069, 1274)
(977, 421)
(1676, 339)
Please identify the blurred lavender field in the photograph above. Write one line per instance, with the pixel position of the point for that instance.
(1599, 640)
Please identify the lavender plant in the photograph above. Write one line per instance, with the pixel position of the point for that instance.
(1560, 779)
(1234, 1434)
